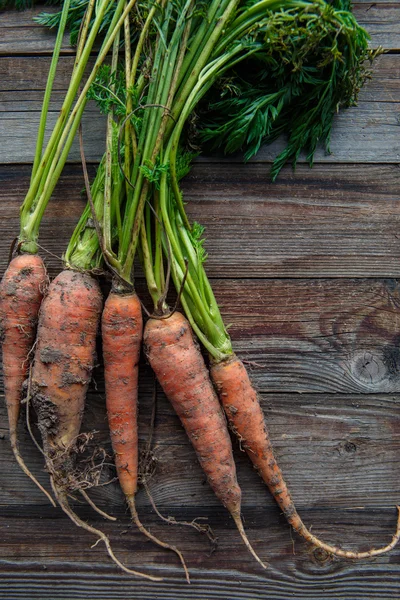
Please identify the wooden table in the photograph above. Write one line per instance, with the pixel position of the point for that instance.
(305, 271)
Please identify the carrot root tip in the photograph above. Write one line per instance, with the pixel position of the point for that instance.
(135, 517)
(239, 525)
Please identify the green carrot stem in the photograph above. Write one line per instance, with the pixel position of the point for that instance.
(200, 40)
(205, 80)
(84, 31)
(129, 133)
(154, 126)
(49, 88)
(63, 115)
(178, 256)
(30, 220)
(152, 286)
(126, 271)
(148, 221)
(158, 255)
(142, 38)
(107, 222)
(177, 276)
(83, 251)
(203, 58)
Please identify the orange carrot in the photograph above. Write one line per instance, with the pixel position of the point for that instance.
(245, 416)
(64, 358)
(122, 330)
(181, 371)
(21, 292)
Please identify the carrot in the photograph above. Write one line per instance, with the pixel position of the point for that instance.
(181, 371)
(64, 358)
(63, 363)
(122, 330)
(245, 416)
(21, 292)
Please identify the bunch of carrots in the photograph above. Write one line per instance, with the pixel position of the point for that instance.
(243, 73)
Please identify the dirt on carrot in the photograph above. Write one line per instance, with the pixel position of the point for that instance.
(179, 366)
(65, 355)
(21, 293)
(122, 331)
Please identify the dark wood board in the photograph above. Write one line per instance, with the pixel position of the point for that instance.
(312, 223)
(366, 134)
(305, 271)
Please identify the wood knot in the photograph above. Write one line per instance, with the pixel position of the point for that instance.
(369, 366)
(346, 448)
(321, 556)
(350, 447)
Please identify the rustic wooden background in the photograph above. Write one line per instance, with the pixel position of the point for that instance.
(306, 272)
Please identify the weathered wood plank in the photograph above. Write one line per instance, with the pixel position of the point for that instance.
(329, 221)
(23, 80)
(316, 336)
(101, 583)
(381, 21)
(367, 133)
(312, 223)
(19, 132)
(20, 35)
(44, 573)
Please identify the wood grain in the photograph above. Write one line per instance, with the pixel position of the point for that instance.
(298, 576)
(381, 21)
(19, 34)
(367, 133)
(316, 336)
(19, 135)
(329, 221)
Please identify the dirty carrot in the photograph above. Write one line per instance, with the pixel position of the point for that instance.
(62, 368)
(122, 330)
(245, 416)
(21, 292)
(180, 369)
